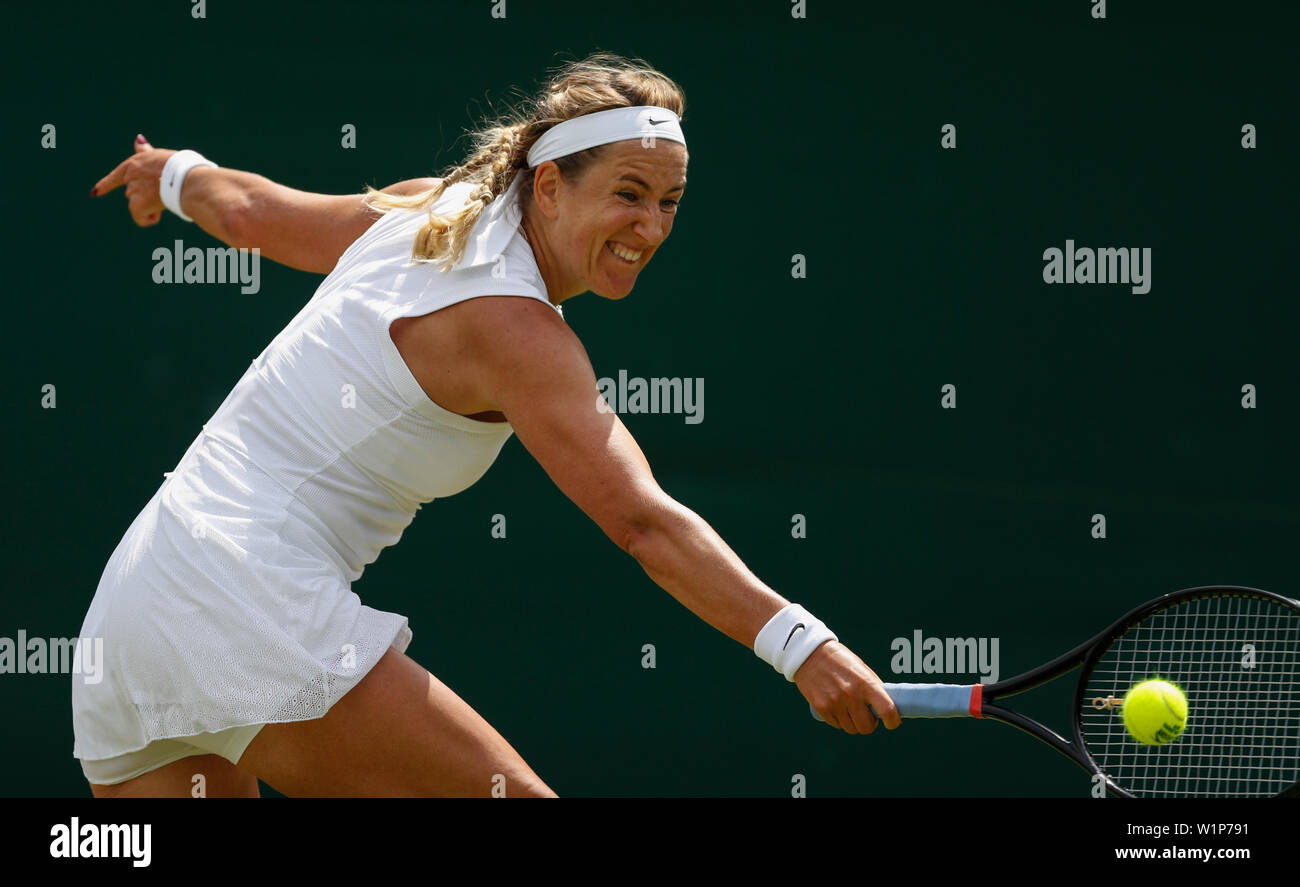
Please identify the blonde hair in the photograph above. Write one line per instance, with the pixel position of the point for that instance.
(601, 81)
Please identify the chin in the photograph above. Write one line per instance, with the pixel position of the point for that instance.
(612, 294)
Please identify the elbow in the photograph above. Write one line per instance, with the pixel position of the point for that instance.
(634, 537)
(643, 531)
(233, 220)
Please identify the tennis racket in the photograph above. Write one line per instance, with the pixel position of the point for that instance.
(1234, 651)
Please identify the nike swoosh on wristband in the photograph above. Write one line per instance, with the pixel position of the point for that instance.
(792, 631)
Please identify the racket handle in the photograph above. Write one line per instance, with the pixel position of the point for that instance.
(932, 700)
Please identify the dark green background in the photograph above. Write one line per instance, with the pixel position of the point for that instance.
(818, 137)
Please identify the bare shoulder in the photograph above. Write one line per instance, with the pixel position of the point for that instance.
(472, 356)
(525, 354)
(490, 327)
(508, 330)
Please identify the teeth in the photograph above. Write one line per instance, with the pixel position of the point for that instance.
(623, 252)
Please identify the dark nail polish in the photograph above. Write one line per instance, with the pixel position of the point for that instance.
(92, 192)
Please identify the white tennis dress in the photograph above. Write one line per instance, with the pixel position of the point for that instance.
(228, 601)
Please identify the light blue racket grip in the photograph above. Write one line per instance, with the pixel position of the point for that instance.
(931, 700)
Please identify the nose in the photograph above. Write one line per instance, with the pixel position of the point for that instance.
(651, 227)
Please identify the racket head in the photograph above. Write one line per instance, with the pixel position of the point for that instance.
(1235, 653)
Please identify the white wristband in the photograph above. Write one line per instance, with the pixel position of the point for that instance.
(173, 176)
(789, 638)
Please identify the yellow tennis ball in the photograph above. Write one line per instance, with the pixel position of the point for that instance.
(1155, 712)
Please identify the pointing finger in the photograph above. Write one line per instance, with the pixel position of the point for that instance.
(110, 181)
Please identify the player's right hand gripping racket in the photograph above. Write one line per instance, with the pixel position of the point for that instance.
(1234, 651)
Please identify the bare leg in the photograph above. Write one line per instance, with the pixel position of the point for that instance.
(399, 732)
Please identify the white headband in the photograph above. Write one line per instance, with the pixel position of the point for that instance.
(500, 218)
(615, 125)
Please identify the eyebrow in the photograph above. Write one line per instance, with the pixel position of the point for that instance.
(626, 178)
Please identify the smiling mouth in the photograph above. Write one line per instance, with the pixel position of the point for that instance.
(623, 254)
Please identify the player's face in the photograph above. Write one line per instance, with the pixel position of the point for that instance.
(610, 223)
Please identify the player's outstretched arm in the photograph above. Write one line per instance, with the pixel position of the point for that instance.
(299, 229)
(535, 371)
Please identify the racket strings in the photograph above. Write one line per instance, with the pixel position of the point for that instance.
(1237, 659)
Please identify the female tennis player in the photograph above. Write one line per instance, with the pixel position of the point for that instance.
(235, 648)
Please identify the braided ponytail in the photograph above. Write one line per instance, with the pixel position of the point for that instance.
(445, 237)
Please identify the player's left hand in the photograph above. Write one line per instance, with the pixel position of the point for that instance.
(140, 174)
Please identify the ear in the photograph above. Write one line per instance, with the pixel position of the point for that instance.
(547, 186)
